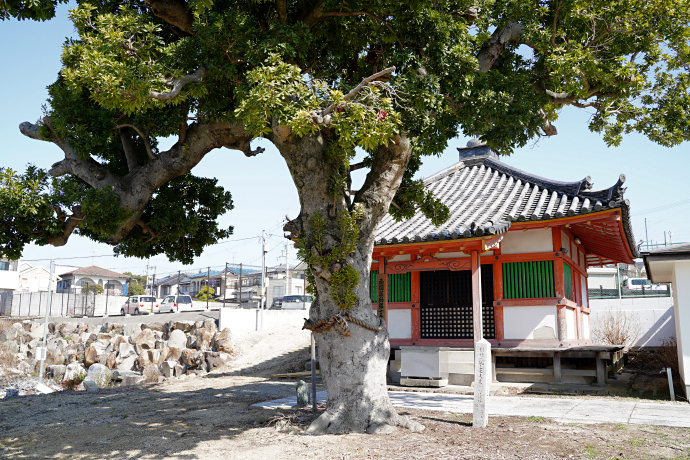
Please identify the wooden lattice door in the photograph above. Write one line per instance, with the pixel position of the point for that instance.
(446, 304)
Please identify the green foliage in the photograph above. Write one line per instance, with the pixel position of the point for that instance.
(39, 10)
(134, 288)
(624, 61)
(205, 293)
(27, 212)
(317, 253)
(182, 220)
(92, 289)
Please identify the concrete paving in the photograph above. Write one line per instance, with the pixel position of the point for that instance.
(565, 410)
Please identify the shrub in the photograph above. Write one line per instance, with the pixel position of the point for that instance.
(205, 293)
(73, 383)
(92, 289)
(616, 328)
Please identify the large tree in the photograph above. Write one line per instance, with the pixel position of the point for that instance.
(320, 79)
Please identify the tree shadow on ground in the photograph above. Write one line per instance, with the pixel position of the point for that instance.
(127, 422)
(293, 361)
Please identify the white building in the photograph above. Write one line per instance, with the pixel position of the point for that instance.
(74, 280)
(35, 278)
(9, 275)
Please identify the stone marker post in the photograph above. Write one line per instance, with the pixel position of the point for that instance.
(482, 380)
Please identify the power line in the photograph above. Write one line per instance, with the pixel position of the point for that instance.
(664, 207)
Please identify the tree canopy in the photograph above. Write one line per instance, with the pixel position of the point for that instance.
(222, 73)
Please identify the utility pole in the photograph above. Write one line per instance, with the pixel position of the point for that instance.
(239, 298)
(287, 268)
(646, 235)
(670, 237)
(225, 283)
(44, 345)
(208, 288)
(147, 277)
(264, 250)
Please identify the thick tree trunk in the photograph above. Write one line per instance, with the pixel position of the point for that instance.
(353, 368)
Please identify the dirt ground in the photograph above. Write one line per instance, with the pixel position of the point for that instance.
(210, 418)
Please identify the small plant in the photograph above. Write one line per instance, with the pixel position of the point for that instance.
(591, 452)
(104, 379)
(73, 383)
(620, 426)
(616, 327)
(535, 419)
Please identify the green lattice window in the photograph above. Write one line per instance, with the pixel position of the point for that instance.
(373, 282)
(568, 281)
(528, 280)
(399, 287)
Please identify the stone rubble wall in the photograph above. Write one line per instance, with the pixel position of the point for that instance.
(128, 353)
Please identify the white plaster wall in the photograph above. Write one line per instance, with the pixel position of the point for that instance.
(585, 327)
(9, 279)
(400, 324)
(518, 242)
(583, 288)
(654, 315)
(521, 322)
(681, 297)
(400, 258)
(574, 253)
(571, 323)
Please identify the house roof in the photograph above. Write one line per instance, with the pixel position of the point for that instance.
(205, 274)
(486, 197)
(170, 280)
(659, 262)
(94, 271)
(671, 250)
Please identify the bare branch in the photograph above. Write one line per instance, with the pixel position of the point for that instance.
(69, 224)
(179, 83)
(143, 136)
(357, 166)
(368, 80)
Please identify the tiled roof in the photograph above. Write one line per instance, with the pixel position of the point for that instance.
(674, 249)
(485, 196)
(95, 271)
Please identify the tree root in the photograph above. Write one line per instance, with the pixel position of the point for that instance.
(334, 423)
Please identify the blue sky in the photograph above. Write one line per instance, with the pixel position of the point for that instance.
(262, 189)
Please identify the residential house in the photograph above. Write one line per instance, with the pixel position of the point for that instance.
(74, 280)
(35, 278)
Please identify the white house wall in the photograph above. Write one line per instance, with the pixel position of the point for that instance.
(681, 301)
(400, 324)
(9, 280)
(519, 242)
(586, 333)
(529, 323)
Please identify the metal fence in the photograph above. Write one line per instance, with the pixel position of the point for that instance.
(27, 304)
(602, 293)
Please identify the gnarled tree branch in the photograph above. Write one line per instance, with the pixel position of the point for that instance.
(500, 39)
(368, 80)
(178, 83)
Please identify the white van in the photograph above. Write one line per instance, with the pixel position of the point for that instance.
(296, 302)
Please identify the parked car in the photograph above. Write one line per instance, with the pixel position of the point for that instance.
(176, 303)
(643, 284)
(277, 304)
(296, 302)
(138, 304)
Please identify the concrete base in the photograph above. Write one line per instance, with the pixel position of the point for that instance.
(423, 382)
